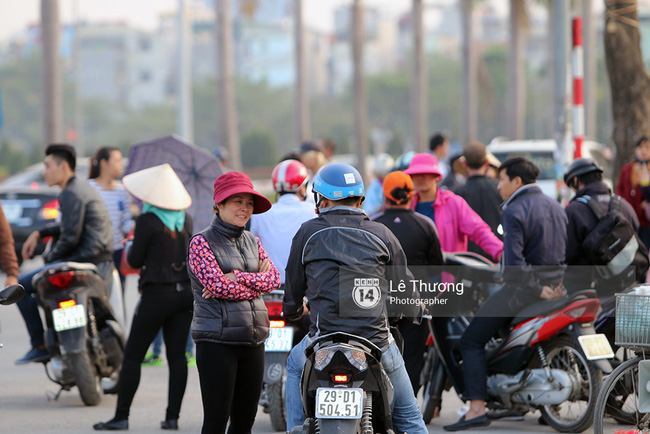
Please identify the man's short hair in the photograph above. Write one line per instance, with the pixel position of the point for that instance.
(475, 155)
(522, 168)
(437, 140)
(348, 201)
(590, 177)
(63, 152)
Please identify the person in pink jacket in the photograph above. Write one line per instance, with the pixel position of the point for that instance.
(455, 220)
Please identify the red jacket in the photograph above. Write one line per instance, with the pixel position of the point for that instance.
(633, 195)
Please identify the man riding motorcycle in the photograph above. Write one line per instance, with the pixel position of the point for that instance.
(84, 235)
(342, 235)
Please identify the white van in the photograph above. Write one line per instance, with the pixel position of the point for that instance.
(543, 153)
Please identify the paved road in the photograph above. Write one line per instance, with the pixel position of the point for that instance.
(27, 405)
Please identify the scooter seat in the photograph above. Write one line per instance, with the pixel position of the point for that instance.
(544, 307)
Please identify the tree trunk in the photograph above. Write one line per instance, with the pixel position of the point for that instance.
(228, 133)
(52, 80)
(470, 103)
(303, 127)
(516, 71)
(360, 105)
(419, 87)
(628, 78)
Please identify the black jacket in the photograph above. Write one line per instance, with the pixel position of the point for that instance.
(416, 233)
(215, 320)
(534, 240)
(582, 220)
(481, 194)
(161, 256)
(84, 233)
(329, 256)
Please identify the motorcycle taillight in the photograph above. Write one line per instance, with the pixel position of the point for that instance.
(274, 308)
(62, 280)
(50, 210)
(276, 324)
(340, 378)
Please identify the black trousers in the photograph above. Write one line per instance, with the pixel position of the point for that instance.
(166, 306)
(415, 344)
(231, 379)
(497, 311)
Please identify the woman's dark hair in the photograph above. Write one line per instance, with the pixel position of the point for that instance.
(103, 153)
(641, 140)
(522, 168)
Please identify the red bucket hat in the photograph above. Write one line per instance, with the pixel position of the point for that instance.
(422, 164)
(231, 183)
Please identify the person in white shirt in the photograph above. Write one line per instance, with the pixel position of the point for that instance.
(276, 227)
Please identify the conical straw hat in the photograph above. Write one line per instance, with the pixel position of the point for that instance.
(158, 186)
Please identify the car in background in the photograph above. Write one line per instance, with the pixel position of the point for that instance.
(29, 203)
(544, 154)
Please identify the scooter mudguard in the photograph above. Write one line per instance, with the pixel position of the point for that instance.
(73, 340)
(339, 426)
(274, 363)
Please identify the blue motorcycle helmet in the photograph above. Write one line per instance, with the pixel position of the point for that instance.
(337, 181)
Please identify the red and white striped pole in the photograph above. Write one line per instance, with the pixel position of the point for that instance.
(578, 101)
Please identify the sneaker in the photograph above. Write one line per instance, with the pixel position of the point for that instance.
(152, 360)
(35, 355)
(191, 360)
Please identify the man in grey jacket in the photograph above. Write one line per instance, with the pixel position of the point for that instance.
(84, 235)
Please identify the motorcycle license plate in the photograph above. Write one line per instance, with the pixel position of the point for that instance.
(69, 317)
(338, 403)
(280, 339)
(596, 346)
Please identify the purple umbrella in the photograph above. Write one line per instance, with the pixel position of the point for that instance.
(196, 167)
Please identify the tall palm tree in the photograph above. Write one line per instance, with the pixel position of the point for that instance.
(360, 104)
(516, 71)
(228, 133)
(52, 79)
(419, 87)
(470, 72)
(303, 127)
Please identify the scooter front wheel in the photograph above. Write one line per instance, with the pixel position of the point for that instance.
(86, 378)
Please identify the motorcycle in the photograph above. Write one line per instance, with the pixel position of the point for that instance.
(548, 358)
(284, 335)
(84, 339)
(344, 387)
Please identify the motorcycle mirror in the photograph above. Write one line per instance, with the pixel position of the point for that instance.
(12, 294)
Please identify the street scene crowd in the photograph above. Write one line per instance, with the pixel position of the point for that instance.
(205, 288)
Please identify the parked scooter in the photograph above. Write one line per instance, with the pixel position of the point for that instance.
(83, 337)
(540, 362)
(345, 389)
(284, 335)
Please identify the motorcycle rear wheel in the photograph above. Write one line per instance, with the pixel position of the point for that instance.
(576, 415)
(86, 378)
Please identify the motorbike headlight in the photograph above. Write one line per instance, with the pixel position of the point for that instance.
(357, 359)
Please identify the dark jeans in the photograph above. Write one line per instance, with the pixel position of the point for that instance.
(497, 311)
(161, 305)
(231, 379)
(415, 344)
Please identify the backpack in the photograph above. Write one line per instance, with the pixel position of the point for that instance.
(613, 242)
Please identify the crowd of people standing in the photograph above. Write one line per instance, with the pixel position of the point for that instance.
(212, 280)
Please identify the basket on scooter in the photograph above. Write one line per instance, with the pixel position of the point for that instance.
(632, 320)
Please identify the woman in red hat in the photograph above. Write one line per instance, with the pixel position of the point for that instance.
(229, 270)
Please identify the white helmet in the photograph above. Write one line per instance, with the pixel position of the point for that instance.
(382, 165)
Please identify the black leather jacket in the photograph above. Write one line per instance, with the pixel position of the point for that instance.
(84, 233)
(244, 322)
(343, 236)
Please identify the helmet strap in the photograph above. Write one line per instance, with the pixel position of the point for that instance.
(317, 200)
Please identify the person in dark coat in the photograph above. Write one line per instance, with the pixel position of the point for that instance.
(534, 235)
(586, 178)
(419, 239)
(480, 191)
(159, 247)
(230, 270)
